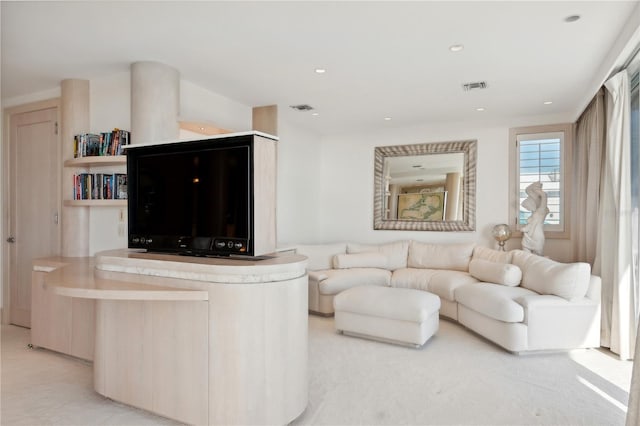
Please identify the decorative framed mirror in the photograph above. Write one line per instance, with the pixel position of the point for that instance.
(425, 187)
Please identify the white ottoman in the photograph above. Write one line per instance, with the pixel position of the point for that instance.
(396, 315)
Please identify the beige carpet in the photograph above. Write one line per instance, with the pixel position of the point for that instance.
(456, 378)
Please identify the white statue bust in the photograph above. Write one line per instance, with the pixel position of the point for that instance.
(533, 231)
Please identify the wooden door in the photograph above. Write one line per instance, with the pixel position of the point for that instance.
(34, 172)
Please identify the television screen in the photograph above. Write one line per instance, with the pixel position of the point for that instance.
(190, 197)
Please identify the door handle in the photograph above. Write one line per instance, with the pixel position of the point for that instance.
(11, 239)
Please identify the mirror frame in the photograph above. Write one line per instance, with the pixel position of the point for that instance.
(468, 222)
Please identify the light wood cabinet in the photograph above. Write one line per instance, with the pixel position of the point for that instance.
(198, 340)
(60, 323)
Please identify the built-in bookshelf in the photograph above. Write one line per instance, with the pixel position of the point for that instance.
(102, 144)
(95, 203)
(100, 186)
(93, 185)
(104, 160)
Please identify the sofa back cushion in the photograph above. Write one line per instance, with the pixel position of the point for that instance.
(522, 259)
(440, 256)
(360, 260)
(320, 255)
(485, 253)
(396, 252)
(342, 279)
(545, 276)
(495, 272)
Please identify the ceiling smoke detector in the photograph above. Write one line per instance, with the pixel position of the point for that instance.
(302, 107)
(473, 86)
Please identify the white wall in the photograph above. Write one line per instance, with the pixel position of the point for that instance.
(110, 105)
(299, 182)
(325, 184)
(200, 105)
(32, 97)
(346, 197)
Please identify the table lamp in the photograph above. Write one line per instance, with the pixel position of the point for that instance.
(501, 233)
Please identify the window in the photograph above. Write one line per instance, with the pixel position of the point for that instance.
(540, 154)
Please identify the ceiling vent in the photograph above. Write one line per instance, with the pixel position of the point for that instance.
(302, 107)
(473, 86)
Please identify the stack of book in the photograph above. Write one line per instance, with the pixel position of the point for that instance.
(107, 143)
(100, 186)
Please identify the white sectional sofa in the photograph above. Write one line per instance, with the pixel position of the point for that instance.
(521, 301)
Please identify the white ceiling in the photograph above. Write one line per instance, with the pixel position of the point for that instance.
(383, 59)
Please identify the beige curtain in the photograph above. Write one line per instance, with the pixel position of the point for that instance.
(613, 261)
(633, 412)
(588, 151)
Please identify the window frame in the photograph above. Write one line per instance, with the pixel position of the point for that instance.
(563, 230)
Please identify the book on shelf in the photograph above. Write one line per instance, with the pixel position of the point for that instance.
(106, 143)
(100, 186)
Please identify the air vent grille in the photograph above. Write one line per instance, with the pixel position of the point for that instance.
(475, 85)
(302, 107)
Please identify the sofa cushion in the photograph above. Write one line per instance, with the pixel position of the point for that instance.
(485, 253)
(320, 256)
(495, 272)
(392, 303)
(493, 300)
(396, 252)
(417, 279)
(360, 260)
(341, 279)
(444, 283)
(545, 276)
(440, 256)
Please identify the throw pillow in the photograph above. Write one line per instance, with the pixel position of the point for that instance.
(495, 272)
(567, 280)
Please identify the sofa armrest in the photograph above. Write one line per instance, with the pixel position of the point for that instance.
(317, 275)
(556, 323)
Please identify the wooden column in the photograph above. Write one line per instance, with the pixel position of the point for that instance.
(74, 119)
(452, 186)
(155, 102)
(265, 119)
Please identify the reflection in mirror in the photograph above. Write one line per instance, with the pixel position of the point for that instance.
(425, 187)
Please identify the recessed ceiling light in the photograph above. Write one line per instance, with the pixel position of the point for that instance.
(456, 47)
(315, 113)
(572, 18)
(548, 102)
(387, 119)
(320, 70)
(480, 109)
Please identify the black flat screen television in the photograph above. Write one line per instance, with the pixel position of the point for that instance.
(192, 197)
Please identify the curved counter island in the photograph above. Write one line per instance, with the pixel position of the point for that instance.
(198, 340)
